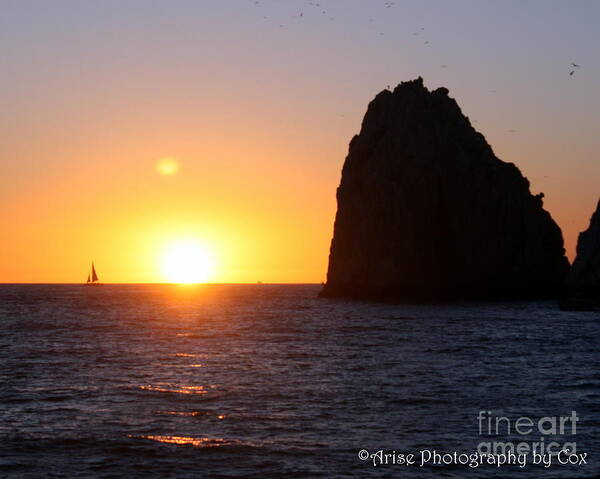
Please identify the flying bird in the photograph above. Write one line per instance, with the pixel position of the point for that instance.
(571, 72)
(575, 65)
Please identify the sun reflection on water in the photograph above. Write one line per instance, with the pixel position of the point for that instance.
(176, 389)
(187, 441)
(184, 413)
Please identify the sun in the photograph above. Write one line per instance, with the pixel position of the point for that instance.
(187, 261)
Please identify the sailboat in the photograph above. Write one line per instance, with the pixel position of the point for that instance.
(92, 278)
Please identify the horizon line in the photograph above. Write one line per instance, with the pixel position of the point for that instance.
(173, 284)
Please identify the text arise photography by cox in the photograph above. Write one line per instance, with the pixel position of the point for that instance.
(431, 457)
(526, 449)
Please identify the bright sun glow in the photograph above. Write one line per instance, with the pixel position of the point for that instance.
(187, 261)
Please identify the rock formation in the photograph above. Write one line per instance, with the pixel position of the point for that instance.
(583, 281)
(427, 212)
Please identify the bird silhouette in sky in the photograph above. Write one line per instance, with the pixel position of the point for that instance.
(575, 65)
(571, 72)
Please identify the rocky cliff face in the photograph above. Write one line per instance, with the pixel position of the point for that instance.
(427, 212)
(583, 281)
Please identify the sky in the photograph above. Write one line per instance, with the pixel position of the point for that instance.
(253, 106)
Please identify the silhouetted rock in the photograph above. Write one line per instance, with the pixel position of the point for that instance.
(583, 281)
(427, 212)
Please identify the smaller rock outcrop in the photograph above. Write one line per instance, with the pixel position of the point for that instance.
(583, 280)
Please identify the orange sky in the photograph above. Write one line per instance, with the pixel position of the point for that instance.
(258, 116)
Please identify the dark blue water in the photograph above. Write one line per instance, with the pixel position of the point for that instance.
(269, 381)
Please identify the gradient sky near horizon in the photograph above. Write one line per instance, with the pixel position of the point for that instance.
(255, 106)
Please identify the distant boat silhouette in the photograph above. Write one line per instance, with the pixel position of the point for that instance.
(92, 278)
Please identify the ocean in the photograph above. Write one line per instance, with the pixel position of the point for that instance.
(269, 381)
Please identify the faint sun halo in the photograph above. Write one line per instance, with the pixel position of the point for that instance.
(167, 166)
